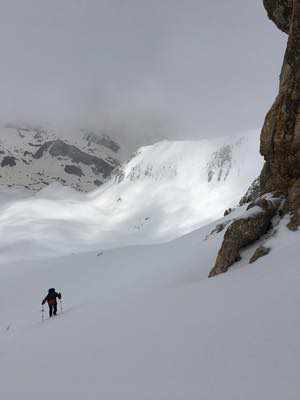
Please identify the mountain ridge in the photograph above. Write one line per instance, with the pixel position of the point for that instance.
(34, 157)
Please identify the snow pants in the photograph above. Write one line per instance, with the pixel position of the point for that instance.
(52, 309)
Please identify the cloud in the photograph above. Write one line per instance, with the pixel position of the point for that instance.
(189, 69)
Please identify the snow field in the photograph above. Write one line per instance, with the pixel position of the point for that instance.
(145, 323)
(141, 319)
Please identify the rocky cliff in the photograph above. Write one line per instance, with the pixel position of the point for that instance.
(279, 145)
(280, 12)
(280, 137)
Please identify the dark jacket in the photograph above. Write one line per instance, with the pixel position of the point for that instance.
(51, 297)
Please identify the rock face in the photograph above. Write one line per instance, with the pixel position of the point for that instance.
(279, 145)
(280, 137)
(280, 12)
(243, 232)
(294, 202)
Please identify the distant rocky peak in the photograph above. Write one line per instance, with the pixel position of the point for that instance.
(220, 164)
(63, 150)
(35, 156)
(100, 139)
(222, 161)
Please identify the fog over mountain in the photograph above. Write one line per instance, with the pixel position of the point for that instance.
(137, 185)
(138, 68)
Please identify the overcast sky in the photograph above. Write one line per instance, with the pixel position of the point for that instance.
(191, 68)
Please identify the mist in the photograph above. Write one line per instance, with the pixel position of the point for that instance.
(156, 69)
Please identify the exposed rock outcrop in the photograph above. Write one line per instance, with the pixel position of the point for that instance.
(261, 251)
(58, 148)
(97, 182)
(8, 161)
(280, 12)
(280, 137)
(220, 164)
(73, 169)
(244, 231)
(279, 145)
(103, 140)
(227, 212)
(294, 203)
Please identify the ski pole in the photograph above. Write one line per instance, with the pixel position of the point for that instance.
(42, 313)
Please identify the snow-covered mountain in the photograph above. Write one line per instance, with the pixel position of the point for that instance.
(166, 190)
(34, 157)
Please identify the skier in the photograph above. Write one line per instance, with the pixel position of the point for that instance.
(52, 302)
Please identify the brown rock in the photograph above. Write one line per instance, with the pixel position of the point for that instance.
(280, 12)
(294, 205)
(243, 232)
(283, 209)
(280, 137)
(261, 251)
(292, 226)
(279, 145)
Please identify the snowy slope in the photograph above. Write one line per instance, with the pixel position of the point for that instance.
(166, 190)
(193, 182)
(145, 323)
(34, 157)
(140, 319)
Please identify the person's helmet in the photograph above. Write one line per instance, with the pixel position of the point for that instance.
(51, 290)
